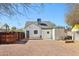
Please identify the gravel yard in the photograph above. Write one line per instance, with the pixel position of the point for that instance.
(40, 48)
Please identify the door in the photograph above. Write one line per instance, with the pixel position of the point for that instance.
(27, 34)
(46, 34)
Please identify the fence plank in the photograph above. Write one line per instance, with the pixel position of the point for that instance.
(11, 37)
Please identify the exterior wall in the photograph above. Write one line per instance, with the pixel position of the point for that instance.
(46, 35)
(31, 29)
(58, 34)
(54, 34)
(75, 36)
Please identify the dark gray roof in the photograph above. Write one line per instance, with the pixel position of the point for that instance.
(43, 24)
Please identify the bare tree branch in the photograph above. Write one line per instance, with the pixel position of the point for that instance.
(14, 8)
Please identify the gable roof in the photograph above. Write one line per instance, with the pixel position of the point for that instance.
(43, 24)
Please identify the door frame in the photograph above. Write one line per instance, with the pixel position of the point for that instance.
(27, 34)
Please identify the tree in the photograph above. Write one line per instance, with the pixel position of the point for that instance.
(6, 27)
(8, 9)
(72, 17)
(13, 28)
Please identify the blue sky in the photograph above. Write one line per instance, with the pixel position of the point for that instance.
(50, 12)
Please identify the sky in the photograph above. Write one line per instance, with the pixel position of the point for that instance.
(54, 13)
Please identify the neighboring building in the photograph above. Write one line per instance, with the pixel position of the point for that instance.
(43, 30)
(75, 32)
(68, 31)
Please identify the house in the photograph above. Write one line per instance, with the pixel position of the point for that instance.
(42, 30)
(75, 32)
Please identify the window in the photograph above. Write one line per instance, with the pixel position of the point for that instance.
(47, 32)
(35, 32)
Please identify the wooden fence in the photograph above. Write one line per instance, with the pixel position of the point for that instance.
(11, 37)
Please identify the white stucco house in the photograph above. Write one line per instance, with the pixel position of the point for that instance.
(45, 30)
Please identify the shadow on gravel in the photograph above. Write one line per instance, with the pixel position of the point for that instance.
(23, 41)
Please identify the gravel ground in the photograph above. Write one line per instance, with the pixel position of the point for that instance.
(40, 48)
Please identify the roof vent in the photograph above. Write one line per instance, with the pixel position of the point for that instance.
(39, 20)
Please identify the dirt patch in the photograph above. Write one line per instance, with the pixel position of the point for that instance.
(40, 48)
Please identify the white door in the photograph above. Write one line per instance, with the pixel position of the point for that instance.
(46, 34)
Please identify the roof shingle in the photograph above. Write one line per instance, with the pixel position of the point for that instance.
(43, 24)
